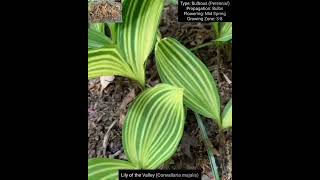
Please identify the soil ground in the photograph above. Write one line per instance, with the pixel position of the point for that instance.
(106, 108)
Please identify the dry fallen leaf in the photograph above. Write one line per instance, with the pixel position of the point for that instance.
(105, 81)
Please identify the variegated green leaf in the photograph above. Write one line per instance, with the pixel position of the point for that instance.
(106, 169)
(225, 33)
(227, 115)
(107, 61)
(154, 126)
(178, 66)
(97, 39)
(100, 27)
(136, 35)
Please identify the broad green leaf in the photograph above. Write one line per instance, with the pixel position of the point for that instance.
(227, 115)
(178, 66)
(136, 35)
(97, 39)
(107, 61)
(225, 33)
(154, 126)
(106, 169)
(100, 27)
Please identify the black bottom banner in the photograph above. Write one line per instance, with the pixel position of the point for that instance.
(159, 174)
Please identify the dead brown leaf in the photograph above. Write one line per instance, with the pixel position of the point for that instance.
(105, 81)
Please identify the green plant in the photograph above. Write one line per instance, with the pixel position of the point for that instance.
(227, 115)
(154, 123)
(152, 131)
(96, 37)
(178, 66)
(223, 34)
(222, 31)
(209, 147)
(126, 51)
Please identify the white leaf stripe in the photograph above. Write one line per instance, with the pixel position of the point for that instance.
(154, 126)
(179, 66)
(102, 168)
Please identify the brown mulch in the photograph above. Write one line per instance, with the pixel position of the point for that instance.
(104, 11)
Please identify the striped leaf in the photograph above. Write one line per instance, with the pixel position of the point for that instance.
(225, 32)
(178, 66)
(154, 126)
(227, 115)
(100, 27)
(106, 169)
(97, 39)
(136, 35)
(107, 61)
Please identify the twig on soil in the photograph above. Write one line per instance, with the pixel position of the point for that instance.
(115, 154)
(106, 136)
(211, 43)
(208, 146)
(227, 79)
(123, 107)
(100, 117)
